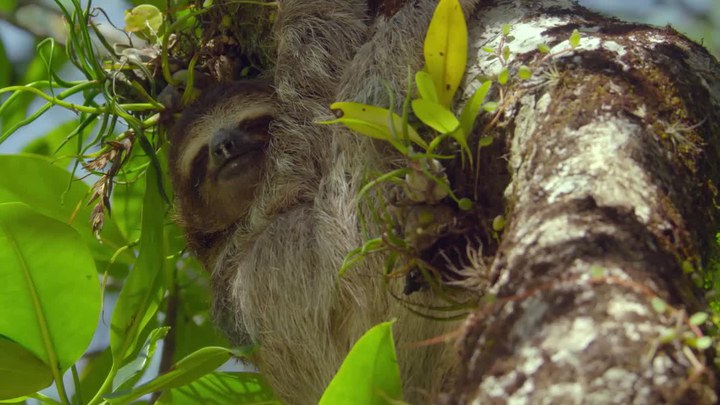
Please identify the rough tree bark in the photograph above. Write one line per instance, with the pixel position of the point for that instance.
(612, 204)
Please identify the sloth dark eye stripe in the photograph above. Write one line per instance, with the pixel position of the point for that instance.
(199, 167)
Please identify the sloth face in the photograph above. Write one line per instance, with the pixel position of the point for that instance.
(217, 155)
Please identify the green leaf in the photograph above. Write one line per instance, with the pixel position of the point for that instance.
(369, 374)
(435, 116)
(524, 73)
(465, 204)
(8, 6)
(44, 187)
(184, 372)
(659, 305)
(144, 18)
(698, 318)
(374, 122)
(485, 141)
(543, 48)
(141, 294)
(49, 280)
(504, 76)
(445, 49)
(490, 106)
(703, 343)
(575, 39)
(426, 86)
(220, 388)
(498, 223)
(506, 29)
(21, 372)
(472, 108)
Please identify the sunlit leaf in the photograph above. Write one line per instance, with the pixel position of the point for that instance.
(524, 72)
(543, 48)
(435, 116)
(575, 39)
(221, 389)
(21, 372)
(445, 49)
(44, 187)
(143, 17)
(369, 374)
(374, 122)
(44, 263)
(504, 76)
(426, 86)
(472, 108)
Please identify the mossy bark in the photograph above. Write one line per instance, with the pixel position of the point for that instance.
(611, 206)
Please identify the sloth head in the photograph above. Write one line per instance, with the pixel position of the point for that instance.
(217, 157)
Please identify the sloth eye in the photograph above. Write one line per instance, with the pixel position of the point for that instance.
(256, 125)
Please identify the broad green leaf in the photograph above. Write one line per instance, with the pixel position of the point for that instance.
(435, 116)
(44, 187)
(445, 49)
(141, 294)
(220, 388)
(184, 372)
(21, 372)
(374, 122)
(472, 108)
(49, 288)
(8, 6)
(369, 374)
(426, 86)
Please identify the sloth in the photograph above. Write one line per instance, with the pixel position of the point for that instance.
(266, 197)
(217, 154)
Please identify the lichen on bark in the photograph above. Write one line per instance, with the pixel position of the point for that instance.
(610, 198)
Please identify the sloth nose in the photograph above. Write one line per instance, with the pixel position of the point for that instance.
(225, 145)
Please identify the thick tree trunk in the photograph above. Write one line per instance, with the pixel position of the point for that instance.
(611, 208)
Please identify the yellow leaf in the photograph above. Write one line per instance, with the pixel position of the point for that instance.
(445, 49)
(374, 122)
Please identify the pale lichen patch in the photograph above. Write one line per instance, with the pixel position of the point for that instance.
(622, 184)
(566, 338)
(622, 307)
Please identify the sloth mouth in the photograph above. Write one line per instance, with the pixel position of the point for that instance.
(241, 164)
